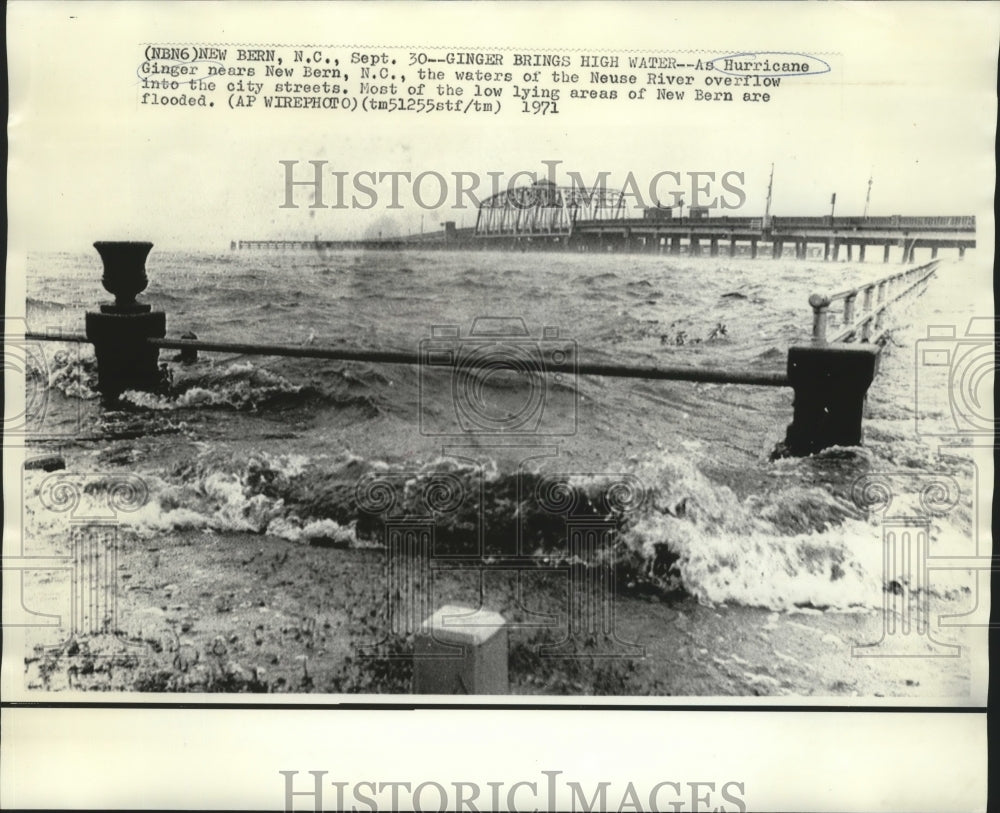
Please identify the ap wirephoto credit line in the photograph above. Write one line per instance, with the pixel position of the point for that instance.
(500, 360)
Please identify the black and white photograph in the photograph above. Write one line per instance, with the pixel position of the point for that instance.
(520, 359)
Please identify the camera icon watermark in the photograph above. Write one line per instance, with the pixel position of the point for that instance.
(964, 368)
(502, 382)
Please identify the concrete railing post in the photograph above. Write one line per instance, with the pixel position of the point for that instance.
(866, 301)
(821, 316)
(830, 384)
(459, 650)
(119, 331)
(849, 302)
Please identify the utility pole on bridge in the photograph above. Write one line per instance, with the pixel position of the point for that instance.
(767, 206)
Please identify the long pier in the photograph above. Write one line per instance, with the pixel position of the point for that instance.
(321, 245)
(800, 237)
(828, 238)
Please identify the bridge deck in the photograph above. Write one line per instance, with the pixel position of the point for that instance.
(651, 233)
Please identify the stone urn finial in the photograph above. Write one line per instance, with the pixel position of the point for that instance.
(124, 271)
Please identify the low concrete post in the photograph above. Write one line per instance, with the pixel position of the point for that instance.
(459, 650)
(124, 360)
(188, 355)
(830, 384)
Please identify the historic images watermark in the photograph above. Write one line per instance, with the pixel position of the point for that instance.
(907, 631)
(26, 360)
(433, 523)
(550, 791)
(318, 184)
(83, 599)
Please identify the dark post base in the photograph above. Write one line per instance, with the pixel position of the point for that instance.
(124, 360)
(830, 384)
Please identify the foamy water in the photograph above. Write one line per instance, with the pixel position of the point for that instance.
(278, 446)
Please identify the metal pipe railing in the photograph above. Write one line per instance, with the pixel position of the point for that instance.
(696, 374)
(876, 298)
(829, 382)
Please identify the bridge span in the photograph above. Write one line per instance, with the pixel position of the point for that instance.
(599, 220)
(543, 216)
